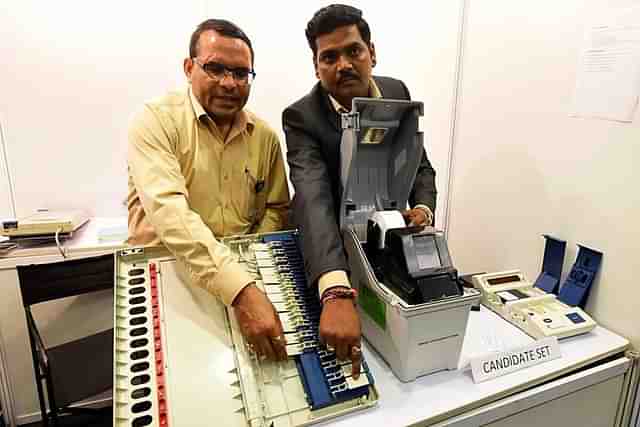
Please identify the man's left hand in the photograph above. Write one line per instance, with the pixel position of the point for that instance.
(340, 329)
(416, 217)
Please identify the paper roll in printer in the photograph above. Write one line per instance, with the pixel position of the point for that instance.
(413, 261)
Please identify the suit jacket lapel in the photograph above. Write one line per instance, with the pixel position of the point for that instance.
(330, 114)
(381, 86)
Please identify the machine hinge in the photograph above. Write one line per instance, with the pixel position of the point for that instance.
(351, 120)
(139, 251)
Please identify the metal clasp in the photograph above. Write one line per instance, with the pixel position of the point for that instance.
(351, 120)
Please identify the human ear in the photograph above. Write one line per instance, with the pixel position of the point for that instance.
(315, 66)
(372, 52)
(187, 65)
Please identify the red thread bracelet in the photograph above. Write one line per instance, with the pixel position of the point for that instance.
(339, 292)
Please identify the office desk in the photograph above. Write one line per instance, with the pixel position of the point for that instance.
(60, 321)
(450, 397)
(200, 361)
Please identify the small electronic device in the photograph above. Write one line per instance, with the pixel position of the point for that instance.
(44, 223)
(537, 313)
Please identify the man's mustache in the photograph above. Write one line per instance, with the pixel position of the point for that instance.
(346, 75)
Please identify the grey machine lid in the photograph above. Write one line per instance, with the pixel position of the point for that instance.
(381, 150)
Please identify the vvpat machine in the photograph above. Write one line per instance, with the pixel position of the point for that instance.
(413, 309)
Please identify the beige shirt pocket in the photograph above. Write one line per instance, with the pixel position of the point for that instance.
(261, 206)
(253, 198)
(257, 197)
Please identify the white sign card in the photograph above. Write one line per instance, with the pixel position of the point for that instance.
(495, 365)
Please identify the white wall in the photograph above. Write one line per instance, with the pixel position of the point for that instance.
(523, 167)
(6, 198)
(75, 72)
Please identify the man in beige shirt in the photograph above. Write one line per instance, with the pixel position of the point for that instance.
(202, 167)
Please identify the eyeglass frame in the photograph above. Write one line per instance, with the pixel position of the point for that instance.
(251, 74)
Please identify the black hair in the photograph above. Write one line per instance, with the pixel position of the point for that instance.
(222, 27)
(327, 19)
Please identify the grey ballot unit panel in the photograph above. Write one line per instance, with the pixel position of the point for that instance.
(312, 385)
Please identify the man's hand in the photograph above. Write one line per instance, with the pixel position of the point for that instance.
(259, 323)
(340, 329)
(416, 216)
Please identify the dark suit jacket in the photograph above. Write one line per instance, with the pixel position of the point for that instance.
(313, 134)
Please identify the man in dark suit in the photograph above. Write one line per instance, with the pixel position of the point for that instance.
(343, 57)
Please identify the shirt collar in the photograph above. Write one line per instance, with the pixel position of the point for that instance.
(374, 92)
(243, 119)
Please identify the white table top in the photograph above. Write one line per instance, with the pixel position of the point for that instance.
(86, 240)
(200, 358)
(444, 394)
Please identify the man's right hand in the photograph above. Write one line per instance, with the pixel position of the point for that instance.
(259, 323)
(340, 329)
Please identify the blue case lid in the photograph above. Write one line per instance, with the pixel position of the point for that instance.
(547, 283)
(576, 287)
(549, 278)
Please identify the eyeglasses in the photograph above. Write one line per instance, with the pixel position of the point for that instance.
(217, 71)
